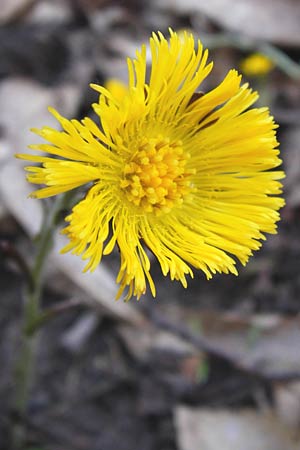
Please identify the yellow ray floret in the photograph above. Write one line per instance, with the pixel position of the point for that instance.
(184, 175)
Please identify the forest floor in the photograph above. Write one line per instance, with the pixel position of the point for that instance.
(198, 368)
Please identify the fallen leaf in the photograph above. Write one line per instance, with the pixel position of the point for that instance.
(264, 344)
(270, 20)
(287, 402)
(240, 430)
(11, 9)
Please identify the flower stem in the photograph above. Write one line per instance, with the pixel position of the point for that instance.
(25, 364)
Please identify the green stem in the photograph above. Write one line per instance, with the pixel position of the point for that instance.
(26, 362)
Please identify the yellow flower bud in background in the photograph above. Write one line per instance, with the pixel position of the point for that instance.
(256, 65)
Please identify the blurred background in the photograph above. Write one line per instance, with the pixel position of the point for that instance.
(214, 366)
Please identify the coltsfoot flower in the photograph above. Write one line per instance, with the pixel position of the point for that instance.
(256, 65)
(169, 170)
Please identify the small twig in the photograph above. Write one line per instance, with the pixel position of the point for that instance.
(203, 344)
(50, 313)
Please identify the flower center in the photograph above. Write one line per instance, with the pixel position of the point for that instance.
(156, 178)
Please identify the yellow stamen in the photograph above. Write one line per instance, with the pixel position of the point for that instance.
(156, 177)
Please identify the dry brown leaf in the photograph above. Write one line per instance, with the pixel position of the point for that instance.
(50, 11)
(267, 344)
(271, 20)
(12, 9)
(287, 402)
(141, 341)
(241, 430)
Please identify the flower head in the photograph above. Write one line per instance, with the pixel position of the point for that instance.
(256, 65)
(170, 170)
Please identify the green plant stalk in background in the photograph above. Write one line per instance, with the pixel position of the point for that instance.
(31, 318)
(277, 56)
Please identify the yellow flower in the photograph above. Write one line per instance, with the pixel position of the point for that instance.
(256, 65)
(181, 174)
